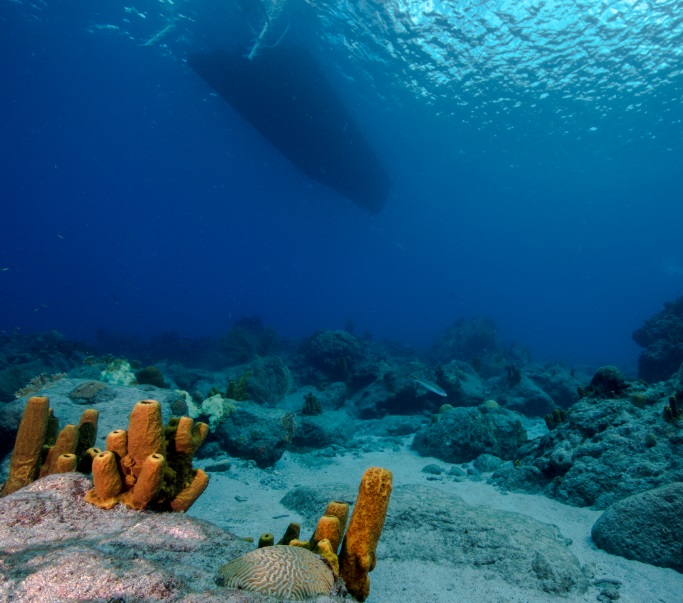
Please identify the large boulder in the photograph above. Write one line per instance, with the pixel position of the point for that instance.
(602, 451)
(646, 527)
(558, 382)
(462, 383)
(461, 434)
(252, 431)
(426, 525)
(522, 395)
(319, 431)
(57, 547)
(334, 353)
(395, 392)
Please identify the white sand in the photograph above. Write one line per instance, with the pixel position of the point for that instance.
(246, 500)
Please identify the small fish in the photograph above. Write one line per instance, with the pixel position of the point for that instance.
(431, 386)
(3, 269)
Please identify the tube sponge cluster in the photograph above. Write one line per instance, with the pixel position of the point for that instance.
(41, 449)
(150, 465)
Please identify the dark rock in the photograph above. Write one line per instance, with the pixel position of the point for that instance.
(91, 392)
(218, 467)
(319, 431)
(608, 382)
(257, 433)
(661, 336)
(334, 353)
(457, 473)
(269, 380)
(558, 382)
(647, 527)
(395, 392)
(23, 357)
(487, 463)
(391, 426)
(602, 452)
(464, 385)
(469, 340)
(524, 396)
(311, 503)
(432, 469)
(462, 434)
(150, 375)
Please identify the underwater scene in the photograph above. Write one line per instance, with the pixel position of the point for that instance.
(313, 300)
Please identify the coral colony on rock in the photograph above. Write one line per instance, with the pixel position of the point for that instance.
(85, 517)
(150, 467)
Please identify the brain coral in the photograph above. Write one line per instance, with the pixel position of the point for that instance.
(287, 572)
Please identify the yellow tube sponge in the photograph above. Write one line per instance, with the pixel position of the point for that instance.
(328, 528)
(357, 557)
(148, 483)
(117, 442)
(186, 498)
(65, 463)
(325, 550)
(87, 432)
(106, 481)
(25, 462)
(145, 433)
(189, 435)
(66, 443)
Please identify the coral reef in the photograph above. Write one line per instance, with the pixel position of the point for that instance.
(604, 450)
(473, 340)
(552, 420)
(149, 466)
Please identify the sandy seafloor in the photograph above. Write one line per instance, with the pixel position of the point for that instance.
(237, 501)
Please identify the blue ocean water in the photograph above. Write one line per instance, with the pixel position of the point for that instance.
(535, 150)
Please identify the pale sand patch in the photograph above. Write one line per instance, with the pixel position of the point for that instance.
(246, 500)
